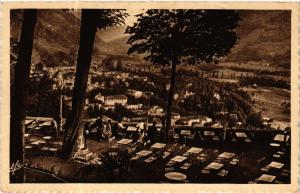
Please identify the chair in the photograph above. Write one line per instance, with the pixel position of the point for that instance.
(185, 134)
(176, 137)
(216, 138)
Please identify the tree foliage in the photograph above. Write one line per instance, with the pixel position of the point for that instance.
(110, 17)
(189, 35)
(180, 36)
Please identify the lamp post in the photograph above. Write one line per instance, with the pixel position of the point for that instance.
(148, 101)
(61, 85)
(147, 112)
(225, 117)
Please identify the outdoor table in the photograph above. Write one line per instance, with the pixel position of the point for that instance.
(42, 142)
(266, 178)
(149, 164)
(209, 133)
(276, 155)
(280, 138)
(150, 159)
(185, 132)
(47, 137)
(131, 129)
(212, 170)
(195, 150)
(178, 158)
(28, 147)
(33, 140)
(28, 121)
(124, 141)
(158, 145)
(38, 142)
(130, 132)
(45, 148)
(276, 165)
(57, 143)
(53, 150)
(241, 134)
(226, 155)
(143, 153)
(274, 144)
(214, 165)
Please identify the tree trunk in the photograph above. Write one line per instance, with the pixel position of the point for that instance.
(87, 36)
(20, 86)
(170, 99)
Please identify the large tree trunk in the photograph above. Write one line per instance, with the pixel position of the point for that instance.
(170, 99)
(87, 36)
(20, 86)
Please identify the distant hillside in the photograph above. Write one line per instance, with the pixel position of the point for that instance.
(264, 36)
(57, 37)
(112, 33)
(119, 44)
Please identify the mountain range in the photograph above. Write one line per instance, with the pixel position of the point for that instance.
(264, 35)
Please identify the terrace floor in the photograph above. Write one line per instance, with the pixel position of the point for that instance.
(252, 162)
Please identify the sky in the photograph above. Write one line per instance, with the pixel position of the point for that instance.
(131, 18)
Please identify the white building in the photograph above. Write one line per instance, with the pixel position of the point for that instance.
(134, 106)
(156, 110)
(188, 94)
(115, 99)
(135, 93)
(99, 97)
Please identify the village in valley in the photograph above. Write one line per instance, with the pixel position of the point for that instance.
(229, 121)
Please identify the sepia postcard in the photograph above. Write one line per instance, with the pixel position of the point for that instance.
(149, 97)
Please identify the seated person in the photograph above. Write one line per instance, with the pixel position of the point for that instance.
(152, 133)
(117, 130)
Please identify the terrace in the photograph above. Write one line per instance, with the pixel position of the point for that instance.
(195, 155)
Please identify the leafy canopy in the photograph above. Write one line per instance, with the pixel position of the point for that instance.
(183, 34)
(104, 18)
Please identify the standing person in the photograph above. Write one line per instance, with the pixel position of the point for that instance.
(163, 129)
(54, 127)
(100, 127)
(86, 132)
(141, 135)
(106, 134)
(152, 133)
